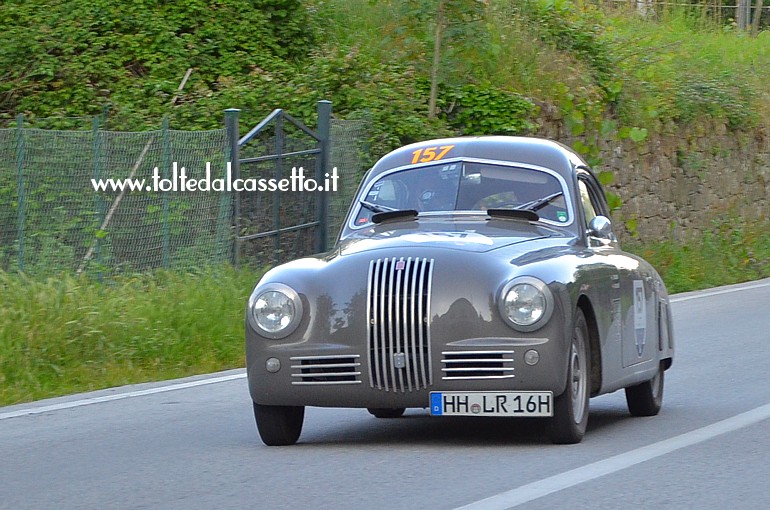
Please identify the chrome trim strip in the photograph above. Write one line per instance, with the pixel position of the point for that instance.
(369, 325)
(327, 374)
(413, 320)
(467, 378)
(325, 356)
(445, 353)
(477, 369)
(477, 360)
(427, 321)
(391, 351)
(397, 337)
(324, 382)
(328, 365)
(421, 328)
(381, 320)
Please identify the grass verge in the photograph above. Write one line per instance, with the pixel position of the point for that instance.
(66, 334)
(731, 252)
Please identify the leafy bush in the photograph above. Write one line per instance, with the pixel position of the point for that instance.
(718, 98)
(74, 56)
(486, 110)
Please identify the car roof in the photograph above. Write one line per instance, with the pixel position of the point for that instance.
(515, 149)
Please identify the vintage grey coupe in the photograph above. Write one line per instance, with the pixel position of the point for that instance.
(472, 277)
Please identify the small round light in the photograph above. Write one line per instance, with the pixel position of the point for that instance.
(526, 303)
(531, 357)
(273, 365)
(274, 310)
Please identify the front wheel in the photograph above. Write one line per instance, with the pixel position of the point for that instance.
(646, 399)
(570, 409)
(279, 425)
(386, 412)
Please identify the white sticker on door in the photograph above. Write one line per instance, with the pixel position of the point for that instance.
(640, 316)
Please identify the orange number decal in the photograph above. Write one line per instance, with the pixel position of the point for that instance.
(429, 154)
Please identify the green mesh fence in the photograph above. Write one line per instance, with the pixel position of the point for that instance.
(348, 143)
(52, 220)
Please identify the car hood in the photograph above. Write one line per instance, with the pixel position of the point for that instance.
(451, 234)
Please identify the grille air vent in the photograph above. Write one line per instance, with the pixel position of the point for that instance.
(398, 336)
(331, 369)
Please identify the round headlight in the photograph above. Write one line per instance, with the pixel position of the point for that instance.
(275, 310)
(526, 303)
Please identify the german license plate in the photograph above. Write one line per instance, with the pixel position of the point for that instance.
(494, 403)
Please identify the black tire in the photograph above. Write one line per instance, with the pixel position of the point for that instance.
(386, 412)
(646, 399)
(279, 425)
(570, 409)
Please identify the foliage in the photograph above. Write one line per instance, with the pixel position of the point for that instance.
(486, 110)
(580, 32)
(72, 57)
(682, 69)
(730, 252)
(373, 59)
(66, 334)
(715, 98)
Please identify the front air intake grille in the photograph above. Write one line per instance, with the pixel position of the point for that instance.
(477, 365)
(398, 336)
(331, 369)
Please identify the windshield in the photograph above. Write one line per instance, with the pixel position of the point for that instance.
(466, 186)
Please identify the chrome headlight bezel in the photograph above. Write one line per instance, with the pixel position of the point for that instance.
(543, 293)
(290, 295)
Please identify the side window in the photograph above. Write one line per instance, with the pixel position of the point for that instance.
(589, 207)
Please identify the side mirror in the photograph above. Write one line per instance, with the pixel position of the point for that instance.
(601, 227)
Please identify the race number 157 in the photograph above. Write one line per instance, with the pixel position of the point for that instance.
(430, 154)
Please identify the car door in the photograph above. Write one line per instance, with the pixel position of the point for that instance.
(633, 301)
(607, 263)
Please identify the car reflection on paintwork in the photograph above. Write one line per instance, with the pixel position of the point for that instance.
(472, 277)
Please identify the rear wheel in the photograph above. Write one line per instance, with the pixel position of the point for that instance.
(279, 425)
(570, 410)
(386, 412)
(646, 399)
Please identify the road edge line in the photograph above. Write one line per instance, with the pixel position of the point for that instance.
(610, 465)
(118, 396)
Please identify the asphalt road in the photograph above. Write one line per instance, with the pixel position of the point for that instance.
(193, 444)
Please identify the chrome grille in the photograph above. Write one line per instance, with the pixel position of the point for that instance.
(477, 364)
(398, 336)
(330, 369)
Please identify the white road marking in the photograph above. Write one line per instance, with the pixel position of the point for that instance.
(556, 483)
(119, 396)
(717, 292)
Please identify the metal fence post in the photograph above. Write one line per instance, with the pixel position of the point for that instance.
(234, 163)
(98, 202)
(324, 109)
(166, 168)
(279, 138)
(20, 153)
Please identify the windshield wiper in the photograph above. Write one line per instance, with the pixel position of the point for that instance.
(516, 214)
(394, 215)
(376, 208)
(536, 205)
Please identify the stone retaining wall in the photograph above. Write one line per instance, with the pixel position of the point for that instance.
(677, 184)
